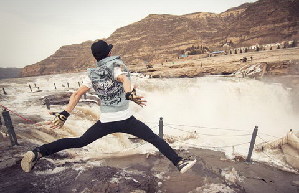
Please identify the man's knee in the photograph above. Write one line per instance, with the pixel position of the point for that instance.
(81, 142)
(154, 139)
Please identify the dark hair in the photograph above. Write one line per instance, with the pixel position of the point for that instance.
(100, 49)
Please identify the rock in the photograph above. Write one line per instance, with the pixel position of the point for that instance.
(138, 191)
(57, 99)
(295, 183)
(7, 163)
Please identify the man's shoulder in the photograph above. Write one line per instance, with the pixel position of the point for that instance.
(116, 59)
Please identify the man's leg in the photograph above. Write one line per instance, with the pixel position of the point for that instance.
(139, 129)
(95, 132)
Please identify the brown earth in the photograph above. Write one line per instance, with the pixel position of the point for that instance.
(157, 38)
(278, 62)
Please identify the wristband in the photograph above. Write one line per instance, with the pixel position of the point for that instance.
(129, 96)
(64, 116)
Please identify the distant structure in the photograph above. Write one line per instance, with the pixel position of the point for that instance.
(216, 53)
(258, 47)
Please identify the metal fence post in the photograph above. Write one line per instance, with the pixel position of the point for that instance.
(4, 92)
(254, 134)
(161, 127)
(30, 87)
(10, 128)
(47, 103)
(1, 125)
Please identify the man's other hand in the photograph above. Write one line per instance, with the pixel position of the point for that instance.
(135, 98)
(59, 119)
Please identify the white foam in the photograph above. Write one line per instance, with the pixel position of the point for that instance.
(222, 111)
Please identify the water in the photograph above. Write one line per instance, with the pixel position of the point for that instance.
(209, 112)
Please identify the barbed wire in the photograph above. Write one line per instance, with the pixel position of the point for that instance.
(283, 152)
(265, 141)
(174, 126)
(215, 147)
(151, 123)
(23, 118)
(269, 135)
(266, 134)
(205, 134)
(203, 127)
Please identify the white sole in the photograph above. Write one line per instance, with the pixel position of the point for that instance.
(27, 161)
(188, 166)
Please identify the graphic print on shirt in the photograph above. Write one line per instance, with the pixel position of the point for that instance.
(107, 88)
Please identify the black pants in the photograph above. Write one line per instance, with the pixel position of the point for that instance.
(131, 126)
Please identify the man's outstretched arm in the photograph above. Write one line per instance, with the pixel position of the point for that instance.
(75, 97)
(61, 117)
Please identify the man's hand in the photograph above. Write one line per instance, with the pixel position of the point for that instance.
(59, 119)
(137, 99)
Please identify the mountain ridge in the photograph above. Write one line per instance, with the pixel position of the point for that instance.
(160, 37)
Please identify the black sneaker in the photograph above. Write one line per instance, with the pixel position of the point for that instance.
(185, 164)
(29, 160)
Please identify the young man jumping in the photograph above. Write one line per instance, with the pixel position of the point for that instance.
(111, 82)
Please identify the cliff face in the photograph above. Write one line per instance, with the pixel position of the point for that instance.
(71, 58)
(157, 38)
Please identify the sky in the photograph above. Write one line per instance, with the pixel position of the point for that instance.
(32, 30)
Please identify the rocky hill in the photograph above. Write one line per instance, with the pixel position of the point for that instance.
(157, 37)
(70, 58)
(10, 73)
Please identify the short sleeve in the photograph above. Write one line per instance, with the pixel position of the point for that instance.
(119, 69)
(87, 82)
(117, 72)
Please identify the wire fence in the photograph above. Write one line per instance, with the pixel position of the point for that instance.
(283, 152)
(275, 138)
(184, 128)
(206, 134)
(204, 127)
